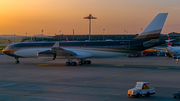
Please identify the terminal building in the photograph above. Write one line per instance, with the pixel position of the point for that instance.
(95, 37)
(62, 37)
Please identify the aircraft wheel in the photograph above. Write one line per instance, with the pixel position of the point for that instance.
(148, 94)
(138, 95)
(17, 61)
(88, 62)
(73, 63)
(68, 63)
(81, 63)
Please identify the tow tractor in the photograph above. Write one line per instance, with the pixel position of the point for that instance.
(141, 89)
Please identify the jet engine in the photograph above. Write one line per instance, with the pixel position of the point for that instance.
(46, 56)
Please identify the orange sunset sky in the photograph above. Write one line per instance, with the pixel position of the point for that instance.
(31, 16)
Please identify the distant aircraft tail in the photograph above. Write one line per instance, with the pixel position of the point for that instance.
(9, 41)
(67, 38)
(153, 30)
(168, 41)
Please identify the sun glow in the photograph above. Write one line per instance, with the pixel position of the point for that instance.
(31, 16)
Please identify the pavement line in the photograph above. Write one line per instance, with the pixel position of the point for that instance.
(74, 85)
(163, 67)
(118, 65)
(42, 64)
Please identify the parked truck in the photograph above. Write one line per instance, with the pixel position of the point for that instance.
(141, 89)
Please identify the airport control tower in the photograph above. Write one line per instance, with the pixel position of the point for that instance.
(90, 17)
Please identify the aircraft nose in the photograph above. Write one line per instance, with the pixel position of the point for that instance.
(6, 51)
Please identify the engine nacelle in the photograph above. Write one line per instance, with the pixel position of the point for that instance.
(46, 56)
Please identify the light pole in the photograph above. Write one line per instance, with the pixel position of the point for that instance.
(124, 32)
(34, 37)
(14, 37)
(73, 34)
(26, 35)
(90, 17)
(103, 34)
(42, 34)
(54, 35)
(60, 32)
(141, 30)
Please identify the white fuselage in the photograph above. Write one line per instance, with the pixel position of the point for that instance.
(81, 53)
(173, 50)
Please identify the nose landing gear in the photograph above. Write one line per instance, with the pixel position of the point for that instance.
(17, 60)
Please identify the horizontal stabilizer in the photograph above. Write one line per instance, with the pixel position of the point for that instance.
(170, 40)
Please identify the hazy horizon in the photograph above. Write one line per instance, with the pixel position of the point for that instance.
(31, 16)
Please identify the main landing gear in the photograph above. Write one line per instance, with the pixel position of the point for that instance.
(17, 60)
(71, 63)
(81, 62)
(84, 61)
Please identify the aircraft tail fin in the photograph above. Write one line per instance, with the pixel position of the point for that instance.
(169, 41)
(9, 41)
(67, 38)
(153, 30)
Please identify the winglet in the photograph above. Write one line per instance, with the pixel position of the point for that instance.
(56, 45)
(9, 41)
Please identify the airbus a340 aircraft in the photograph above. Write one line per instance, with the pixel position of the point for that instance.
(81, 50)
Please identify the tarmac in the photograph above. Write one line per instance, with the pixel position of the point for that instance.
(106, 79)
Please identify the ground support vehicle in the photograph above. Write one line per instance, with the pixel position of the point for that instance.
(177, 95)
(141, 89)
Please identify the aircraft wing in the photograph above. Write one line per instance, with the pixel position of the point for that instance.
(76, 53)
(56, 49)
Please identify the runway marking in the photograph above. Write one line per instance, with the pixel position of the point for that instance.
(163, 67)
(75, 85)
(42, 64)
(118, 65)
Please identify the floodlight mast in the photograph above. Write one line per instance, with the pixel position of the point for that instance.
(90, 17)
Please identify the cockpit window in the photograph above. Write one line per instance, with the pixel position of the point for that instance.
(10, 46)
